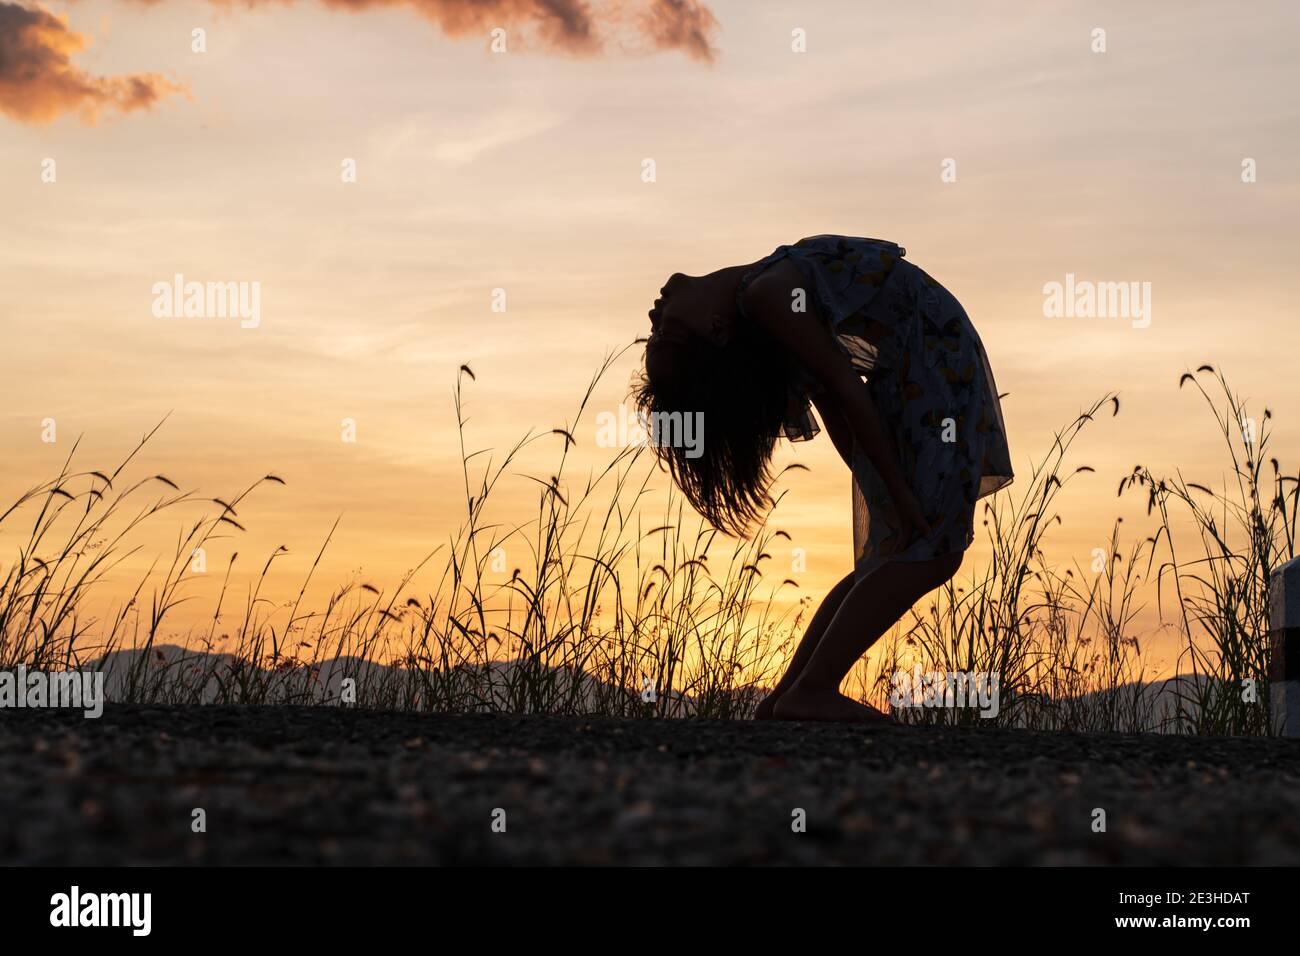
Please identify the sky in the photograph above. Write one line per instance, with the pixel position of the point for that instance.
(997, 142)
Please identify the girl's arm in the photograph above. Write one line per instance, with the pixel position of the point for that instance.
(836, 425)
(767, 302)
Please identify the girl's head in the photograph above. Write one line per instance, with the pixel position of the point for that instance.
(707, 367)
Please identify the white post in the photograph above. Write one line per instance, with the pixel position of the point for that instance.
(1284, 672)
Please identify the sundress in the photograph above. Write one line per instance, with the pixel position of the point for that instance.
(930, 381)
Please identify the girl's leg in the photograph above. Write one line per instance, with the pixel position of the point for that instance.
(870, 608)
(816, 628)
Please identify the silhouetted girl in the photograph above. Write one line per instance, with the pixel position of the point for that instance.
(751, 346)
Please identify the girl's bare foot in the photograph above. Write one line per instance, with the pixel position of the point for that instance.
(766, 706)
(801, 704)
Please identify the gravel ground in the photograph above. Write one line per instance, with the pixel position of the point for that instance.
(296, 785)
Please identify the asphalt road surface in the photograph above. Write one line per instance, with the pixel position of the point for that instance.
(296, 785)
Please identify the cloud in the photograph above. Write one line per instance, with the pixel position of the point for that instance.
(570, 26)
(38, 81)
(681, 24)
(492, 132)
(561, 24)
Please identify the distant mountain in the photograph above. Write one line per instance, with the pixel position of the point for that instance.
(172, 674)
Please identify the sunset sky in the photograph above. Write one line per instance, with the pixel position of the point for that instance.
(522, 171)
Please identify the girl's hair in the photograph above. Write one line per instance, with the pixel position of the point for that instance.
(741, 390)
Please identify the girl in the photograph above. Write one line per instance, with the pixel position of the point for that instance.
(752, 346)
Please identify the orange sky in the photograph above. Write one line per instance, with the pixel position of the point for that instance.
(522, 171)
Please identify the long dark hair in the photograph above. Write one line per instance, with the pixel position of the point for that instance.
(742, 390)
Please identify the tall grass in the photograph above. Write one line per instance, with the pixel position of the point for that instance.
(1061, 648)
(623, 603)
(1219, 583)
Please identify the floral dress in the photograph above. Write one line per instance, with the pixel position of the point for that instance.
(931, 384)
